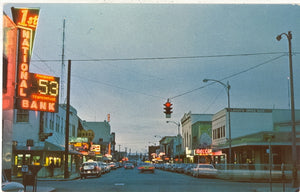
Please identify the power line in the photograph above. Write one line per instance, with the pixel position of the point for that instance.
(230, 76)
(166, 58)
(110, 85)
(185, 57)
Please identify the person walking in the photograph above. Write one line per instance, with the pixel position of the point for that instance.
(51, 166)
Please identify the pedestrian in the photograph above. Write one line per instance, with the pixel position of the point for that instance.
(251, 166)
(51, 166)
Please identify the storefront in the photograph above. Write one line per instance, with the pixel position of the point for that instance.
(43, 155)
(209, 156)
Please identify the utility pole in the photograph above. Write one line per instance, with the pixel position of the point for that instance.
(66, 170)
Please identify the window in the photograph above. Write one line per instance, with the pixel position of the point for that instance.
(57, 123)
(223, 131)
(52, 122)
(22, 116)
(73, 130)
(61, 125)
(46, 120)
(4, 82)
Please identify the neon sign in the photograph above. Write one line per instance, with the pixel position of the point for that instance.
(43, 94)
(34, 91)
(203, 152)
(206, 152)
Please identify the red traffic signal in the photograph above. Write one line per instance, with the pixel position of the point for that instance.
(168, 109)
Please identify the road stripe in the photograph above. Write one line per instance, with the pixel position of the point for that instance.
(119, 184)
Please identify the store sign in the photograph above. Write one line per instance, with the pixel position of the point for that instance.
(26, 17)
(203, 152)
(78, 139)
(250, 110)
(95, 148)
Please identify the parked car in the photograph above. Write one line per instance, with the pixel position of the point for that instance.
(90, 168)
(188, 169)
(128, 166)
(146, 167)
(8, 186)
(179, 168)
(112, 165)
(104, 166)
(205, 170)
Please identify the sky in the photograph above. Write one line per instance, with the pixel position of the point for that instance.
(128, 59)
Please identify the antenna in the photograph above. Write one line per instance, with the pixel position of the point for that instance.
(63, 66)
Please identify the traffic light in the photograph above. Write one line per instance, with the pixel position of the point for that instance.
(44, 136)
(168, 109)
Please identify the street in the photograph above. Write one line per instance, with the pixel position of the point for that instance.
(160, 181)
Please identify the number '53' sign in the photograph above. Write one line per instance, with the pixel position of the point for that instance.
(44, 85)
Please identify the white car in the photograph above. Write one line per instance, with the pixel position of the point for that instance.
(8, 186)
(90, 168)
(204, 170)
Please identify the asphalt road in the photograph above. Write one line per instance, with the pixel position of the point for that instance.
(122, 180)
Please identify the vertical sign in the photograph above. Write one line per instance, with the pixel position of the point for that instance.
(26, 20)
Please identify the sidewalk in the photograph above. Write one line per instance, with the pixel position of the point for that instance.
(277, 187)
(47, 189)
(60, 178)
(40, 189)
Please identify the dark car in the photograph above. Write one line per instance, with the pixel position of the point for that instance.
(90, 168)
(128, 166)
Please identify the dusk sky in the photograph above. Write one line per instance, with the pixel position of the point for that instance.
(128, 59)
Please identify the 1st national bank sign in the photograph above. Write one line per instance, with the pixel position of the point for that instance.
(34, 91)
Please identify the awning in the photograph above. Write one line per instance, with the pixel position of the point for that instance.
(46, 147)
(52, 147)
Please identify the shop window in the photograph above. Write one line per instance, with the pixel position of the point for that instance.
(57, 161)
(22, 116)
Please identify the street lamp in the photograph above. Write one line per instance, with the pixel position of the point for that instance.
(294, 149)
(227, 86)
(178, 125)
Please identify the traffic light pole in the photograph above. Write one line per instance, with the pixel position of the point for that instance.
(66, 170)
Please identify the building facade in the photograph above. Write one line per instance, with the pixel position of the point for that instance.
(8, 90)
(31, 148)
(102, 136)
(196, 132)
(250, 129)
